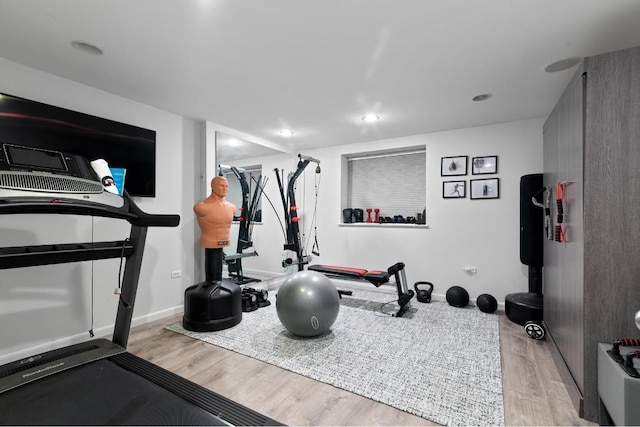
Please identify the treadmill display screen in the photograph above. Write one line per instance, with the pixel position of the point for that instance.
(35, 158)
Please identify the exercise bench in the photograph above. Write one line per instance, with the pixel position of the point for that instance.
(375, 277)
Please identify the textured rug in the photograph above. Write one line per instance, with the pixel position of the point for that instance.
(438, 362)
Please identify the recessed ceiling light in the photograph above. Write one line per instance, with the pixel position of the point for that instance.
(561, 65)
(370, 118)
(286, 132)
(482, 97)
(85, 47)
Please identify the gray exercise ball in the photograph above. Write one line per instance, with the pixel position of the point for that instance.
(307, 303)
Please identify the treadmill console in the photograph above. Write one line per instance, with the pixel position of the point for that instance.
(22, 158)
(35, 172)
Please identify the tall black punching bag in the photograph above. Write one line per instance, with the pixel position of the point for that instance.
(531, 222)
(525, 306)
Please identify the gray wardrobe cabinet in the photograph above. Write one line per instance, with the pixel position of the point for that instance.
(591, 281)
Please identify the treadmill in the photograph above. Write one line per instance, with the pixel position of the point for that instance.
(96, 382)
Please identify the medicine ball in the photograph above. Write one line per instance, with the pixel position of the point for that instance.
(457, 296)
(487, 303)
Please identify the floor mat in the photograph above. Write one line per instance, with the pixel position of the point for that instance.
(439, 362)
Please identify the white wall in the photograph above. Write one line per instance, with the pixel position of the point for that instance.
(49, 306)
(461, 232)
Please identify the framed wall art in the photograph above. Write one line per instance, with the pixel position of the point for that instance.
(453, 166)
(454, 189)
(484, 165)
(485, 188)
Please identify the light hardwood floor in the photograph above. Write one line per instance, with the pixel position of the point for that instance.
(533, 391)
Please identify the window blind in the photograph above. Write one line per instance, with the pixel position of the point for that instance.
(394, 183)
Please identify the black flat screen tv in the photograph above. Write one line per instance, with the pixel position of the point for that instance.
(35, 124)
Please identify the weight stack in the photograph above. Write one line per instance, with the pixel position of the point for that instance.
(525, 306)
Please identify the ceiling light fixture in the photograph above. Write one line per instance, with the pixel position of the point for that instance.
(286, 132)
(370, 118)
(561, 65)
(85, 47)
(482, 97)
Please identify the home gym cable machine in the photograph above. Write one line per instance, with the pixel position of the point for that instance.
(96, 382)
(294, 242)
(245, 227)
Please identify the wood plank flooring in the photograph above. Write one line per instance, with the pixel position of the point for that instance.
(533, 391)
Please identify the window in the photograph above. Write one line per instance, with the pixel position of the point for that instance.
(394, 182)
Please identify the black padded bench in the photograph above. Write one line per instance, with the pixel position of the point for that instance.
(376, 277)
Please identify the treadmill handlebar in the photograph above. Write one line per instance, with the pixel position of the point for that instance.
(59, 205)
(150, 220)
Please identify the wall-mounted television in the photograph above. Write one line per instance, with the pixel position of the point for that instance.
(32, 123)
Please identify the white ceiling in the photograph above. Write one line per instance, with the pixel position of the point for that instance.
(317, 67)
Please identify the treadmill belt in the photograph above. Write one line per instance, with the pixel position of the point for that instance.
(98, 393)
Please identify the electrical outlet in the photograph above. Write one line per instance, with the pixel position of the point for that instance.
(469, 269)
(176, 273)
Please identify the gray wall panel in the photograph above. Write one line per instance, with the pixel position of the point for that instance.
(592, 281)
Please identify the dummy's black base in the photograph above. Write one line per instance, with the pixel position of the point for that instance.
(212, 306)
(523, 307)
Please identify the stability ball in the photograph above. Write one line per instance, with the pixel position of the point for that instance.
(457, 296)
(307, 303)
(487, 303)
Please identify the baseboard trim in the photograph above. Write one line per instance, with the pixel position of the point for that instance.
(102, 332)
(565, 374)
(172, 311)
(275, 280)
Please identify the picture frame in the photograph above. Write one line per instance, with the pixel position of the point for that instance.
(453, 166)
(485, 188)
(454, 189)
(484, 165)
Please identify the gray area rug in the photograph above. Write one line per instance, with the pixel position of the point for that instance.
(439, 362)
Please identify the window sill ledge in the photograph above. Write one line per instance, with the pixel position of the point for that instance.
(384, 225)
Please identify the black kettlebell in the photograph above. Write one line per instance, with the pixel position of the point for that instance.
(423, 295)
